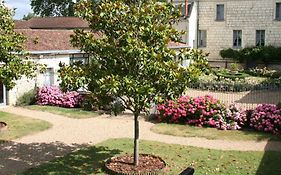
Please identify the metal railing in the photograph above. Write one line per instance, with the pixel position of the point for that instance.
(246, 99)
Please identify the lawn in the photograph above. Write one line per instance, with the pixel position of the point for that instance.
(211, 133)
(77, 113)
(89, 161)
(19, 126)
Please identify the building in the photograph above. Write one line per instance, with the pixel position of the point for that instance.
(183, 25)
(218, 24)
(48, 42)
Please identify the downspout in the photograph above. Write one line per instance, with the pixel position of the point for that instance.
(186, 8)
(197, 26)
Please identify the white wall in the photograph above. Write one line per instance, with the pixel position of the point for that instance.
(52, 61)
(24, 85)
(192, 31)
(183, 26)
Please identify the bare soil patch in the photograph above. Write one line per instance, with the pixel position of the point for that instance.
(123, 165)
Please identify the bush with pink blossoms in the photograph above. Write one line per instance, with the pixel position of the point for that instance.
(199, 111)
(55, 97)
(235, 119)
(267, 118)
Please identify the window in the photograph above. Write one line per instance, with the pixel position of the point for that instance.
(220, 12)
(237, 38)
(260, 37)
(184, 9)
(83, 58)
(278, 11)
(202, 38)
(49, 77)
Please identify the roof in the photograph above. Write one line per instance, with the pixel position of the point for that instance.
(59, 40)
(52, 23)
(177, 45)
(43, 40)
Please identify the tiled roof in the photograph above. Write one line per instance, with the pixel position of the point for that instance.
(177, 44)
(45, 40)
(52, 23)
(48, 40)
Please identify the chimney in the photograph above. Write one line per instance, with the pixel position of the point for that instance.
(186, 8)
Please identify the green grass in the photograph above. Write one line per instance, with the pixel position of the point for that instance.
(211, 133)
(77, 113)
(89, 161)
(19, 126)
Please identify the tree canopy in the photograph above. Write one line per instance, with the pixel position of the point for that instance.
(28, 16)
(131, 59)
(12, 67)
(53, 7)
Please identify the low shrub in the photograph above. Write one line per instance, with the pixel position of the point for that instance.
(234, 76)
(209, 112)
(229, 53)
(221, 83)
(252, 55)
(235, 119)
(267, 118)
(28, 98)
(55, 97)
(202, 111)
(199, 111)
(264, 72)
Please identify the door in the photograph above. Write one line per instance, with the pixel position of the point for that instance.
(49, 77)
(2, 94)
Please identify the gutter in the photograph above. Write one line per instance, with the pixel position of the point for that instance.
(178, 47)
(45, 52)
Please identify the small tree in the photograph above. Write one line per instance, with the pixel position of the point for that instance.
(131, 59)
(12, 67)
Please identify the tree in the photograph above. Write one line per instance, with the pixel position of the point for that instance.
(12, 67)
(28, 16)
(53, 7)
(131, 59)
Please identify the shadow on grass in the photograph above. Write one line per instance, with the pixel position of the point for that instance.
(262, 136)
(26, 159)
(271, 160)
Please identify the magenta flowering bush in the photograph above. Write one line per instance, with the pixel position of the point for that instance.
(209, 112)
(267, 118)
(200, 111)
(53, 96)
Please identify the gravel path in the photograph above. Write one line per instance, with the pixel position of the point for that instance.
(68, 135)
(95, 130)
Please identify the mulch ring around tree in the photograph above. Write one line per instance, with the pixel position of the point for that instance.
(3, 126)
(123, 165)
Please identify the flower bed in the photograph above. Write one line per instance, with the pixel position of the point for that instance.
(55, 97)
(209, 112)
(267, 118)
(200, 111)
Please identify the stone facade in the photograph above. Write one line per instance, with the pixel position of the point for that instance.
(245, 15)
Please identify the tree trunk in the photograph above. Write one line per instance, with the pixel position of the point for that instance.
(136, 140)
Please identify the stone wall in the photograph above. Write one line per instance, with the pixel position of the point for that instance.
(245, 15)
